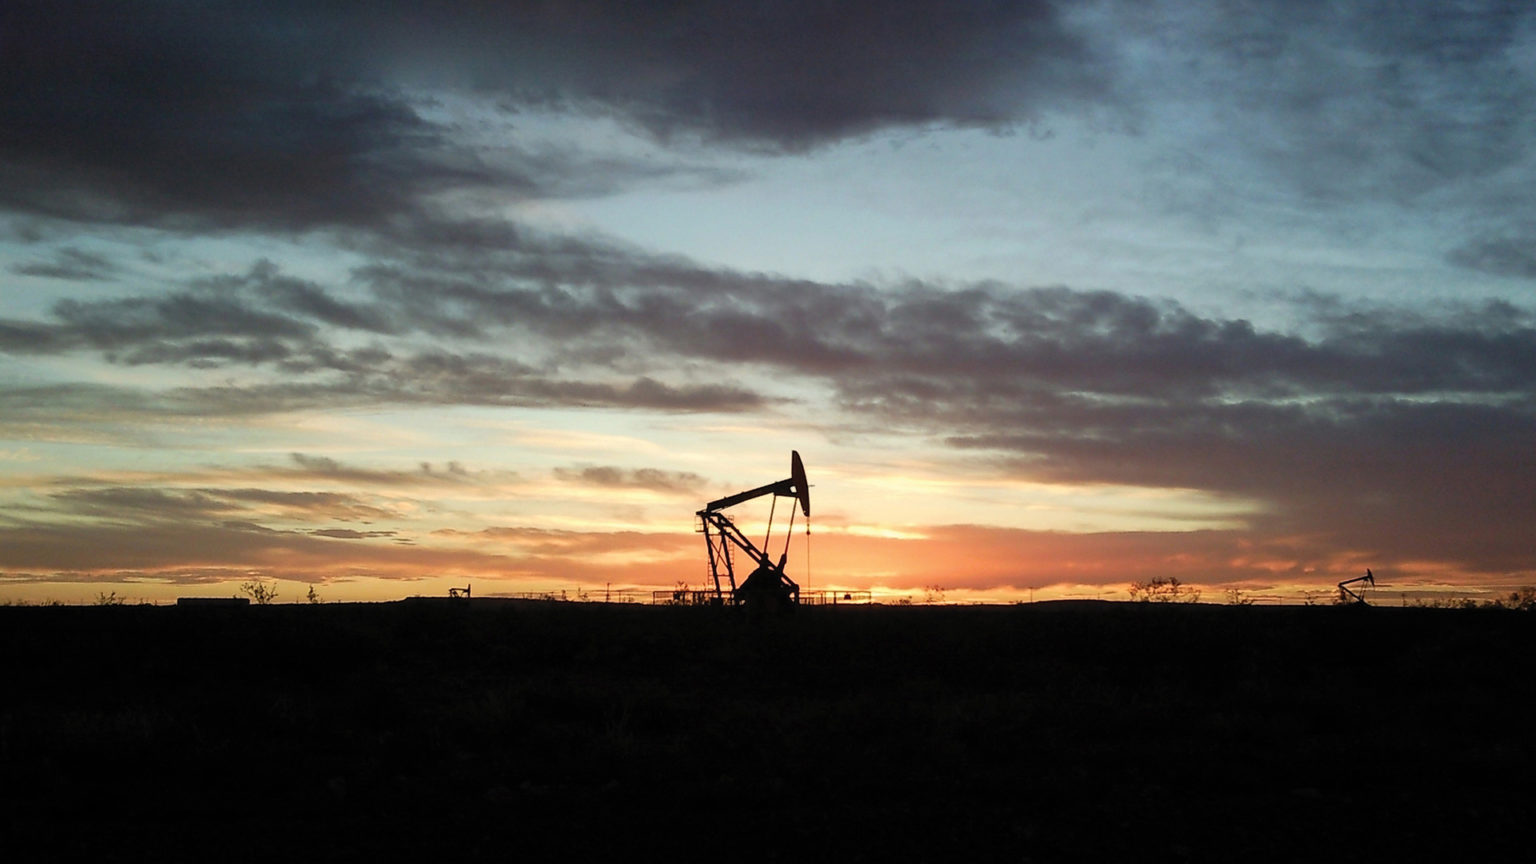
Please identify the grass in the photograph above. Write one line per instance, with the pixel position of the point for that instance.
(488, 729)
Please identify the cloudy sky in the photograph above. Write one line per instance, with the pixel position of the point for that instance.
(386, 297)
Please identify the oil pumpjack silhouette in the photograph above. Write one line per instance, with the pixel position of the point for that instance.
(767, 587)
(1356, 598)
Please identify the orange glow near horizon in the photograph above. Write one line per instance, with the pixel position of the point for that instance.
(958, 563)
(579, 520)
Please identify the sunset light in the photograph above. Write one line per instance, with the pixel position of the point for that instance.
(806, 430)
(1076, 296)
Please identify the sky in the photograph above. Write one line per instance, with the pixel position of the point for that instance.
(1052, 297)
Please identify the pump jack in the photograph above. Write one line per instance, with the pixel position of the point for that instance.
(1356, 599)
(767, 586)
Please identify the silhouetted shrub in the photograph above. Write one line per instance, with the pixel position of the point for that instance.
(1523, 599)
(1164, 590)
(260, 592)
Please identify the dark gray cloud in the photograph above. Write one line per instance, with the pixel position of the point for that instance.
(291, 116)
(271, 115)
(200, 552)
(1507, 255)
(324, 468)
(338, 506)
(31, 337)
(207, 325)
(866, 337)
(874, 345)
(138, 503)
(349, 534)
(70, 264)
(440, 378)
(653, 479)
(790, 75)
(139, 323)
(78, 409)
(209, 119)
(151, 505)
(264, 319)
(784, 75)
(1409, 480)
(304, 298)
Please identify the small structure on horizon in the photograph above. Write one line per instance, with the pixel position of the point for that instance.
(1356, 599)
(459, 593)
(766, 586)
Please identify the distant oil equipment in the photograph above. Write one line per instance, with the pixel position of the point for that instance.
(767, 588)
(1355, 599)
(459, 593)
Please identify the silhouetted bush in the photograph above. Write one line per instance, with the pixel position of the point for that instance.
(1523, 600)
(1164, 590)
(260, 592)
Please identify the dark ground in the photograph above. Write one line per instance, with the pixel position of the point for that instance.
(501, 730)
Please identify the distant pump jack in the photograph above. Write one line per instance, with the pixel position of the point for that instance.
(1357, 599)
(767, 586)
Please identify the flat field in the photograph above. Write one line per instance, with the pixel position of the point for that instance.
(498, 730)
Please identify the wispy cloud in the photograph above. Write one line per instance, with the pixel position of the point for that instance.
(69, 264)
(1342, 424)
(652, 479)
(1502, 255)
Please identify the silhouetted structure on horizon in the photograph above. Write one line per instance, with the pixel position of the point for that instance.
(1356, 599)
(214, 602)
(767, 587)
